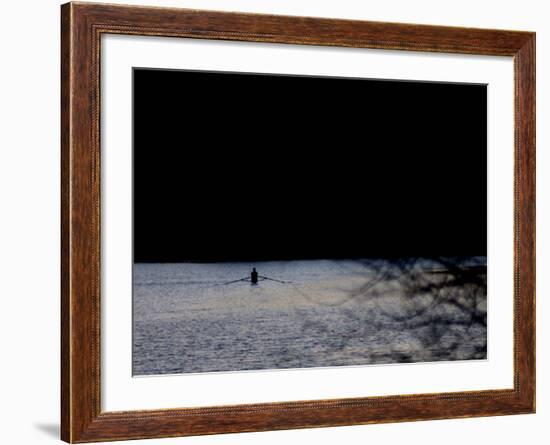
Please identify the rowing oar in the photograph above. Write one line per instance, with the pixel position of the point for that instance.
(273, 279)
(235, 281)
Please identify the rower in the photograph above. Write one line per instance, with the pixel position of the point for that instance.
(254, 276)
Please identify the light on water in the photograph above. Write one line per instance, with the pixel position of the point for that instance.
(326, 313)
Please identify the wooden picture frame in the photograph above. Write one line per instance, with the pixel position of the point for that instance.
(82, 25)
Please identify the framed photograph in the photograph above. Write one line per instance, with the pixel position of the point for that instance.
(275, 222)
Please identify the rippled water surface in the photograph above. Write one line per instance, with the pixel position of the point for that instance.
(329, 313)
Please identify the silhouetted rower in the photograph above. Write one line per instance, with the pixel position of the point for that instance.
(254, 276)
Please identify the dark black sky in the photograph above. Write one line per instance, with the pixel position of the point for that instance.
(257, 167)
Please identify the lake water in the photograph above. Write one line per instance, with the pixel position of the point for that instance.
(329, 313)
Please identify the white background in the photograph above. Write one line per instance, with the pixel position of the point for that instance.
(29, 235)
(121, 392)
